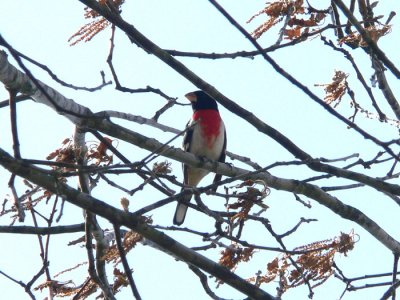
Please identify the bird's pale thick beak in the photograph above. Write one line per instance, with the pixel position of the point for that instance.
(191, 97)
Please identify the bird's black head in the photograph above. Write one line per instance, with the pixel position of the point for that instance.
(201, 100)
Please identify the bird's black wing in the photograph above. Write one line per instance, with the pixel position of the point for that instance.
(181, 207)
(187, 138)
(221, 159)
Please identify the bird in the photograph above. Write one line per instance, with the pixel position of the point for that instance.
(205, 136)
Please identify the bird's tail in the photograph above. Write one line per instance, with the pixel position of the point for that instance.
(181, 209)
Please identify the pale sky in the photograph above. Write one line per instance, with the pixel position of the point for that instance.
(40, 29)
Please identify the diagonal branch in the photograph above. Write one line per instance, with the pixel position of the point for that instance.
(294, 186)
(43, 230)
(150, 47)
(58, 80)
(9, 75)
(366, 37)
(308, 190)
(128, 270)
(41, 93)
(85, 201)
(25, 286)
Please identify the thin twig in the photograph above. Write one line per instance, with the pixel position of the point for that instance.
(366, 37)
(118, 86)
(126, 161)
(43, 253)
(13, 120)
(127, 269)
(27, 290)
(298, 84)
(17, 153)
(204, 283)
(55, 77)
(17, 99)
(17, 200)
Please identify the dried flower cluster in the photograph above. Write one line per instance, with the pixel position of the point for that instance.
(314, 265)
(89, 287)
(162, 168)
(235, 254)
(247, 199)
(61, 289)
(97, 25)
(120, 280)
(336, 89)
(355, 39)
(293, 11)
(64, 154)
(96, 154)
(130, 241)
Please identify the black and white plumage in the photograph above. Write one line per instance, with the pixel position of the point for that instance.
(207, 138)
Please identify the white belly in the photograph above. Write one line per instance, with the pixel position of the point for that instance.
(210, 149)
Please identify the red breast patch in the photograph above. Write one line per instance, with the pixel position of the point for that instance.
(210, 122)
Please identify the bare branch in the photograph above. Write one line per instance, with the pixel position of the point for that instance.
(127, 269)
(17, 200)
(117, 216)
(366, 37)
(19, 98)
(27, 84)
(311, 191)
(27, 290)
(118, 85)
(63, 83)
(43, 230)
(204, 283)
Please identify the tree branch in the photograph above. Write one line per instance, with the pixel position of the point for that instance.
(49, 181)
(27, 290)
(127, 269)
(371, 43)
(149, 46)
(38, 91)
(43, 230)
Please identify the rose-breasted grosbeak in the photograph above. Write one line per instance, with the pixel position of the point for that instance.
(205, 138)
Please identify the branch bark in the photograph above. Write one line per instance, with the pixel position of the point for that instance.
(78, 114)
(293, 186)
(43, 230)
(15, 79)
(366, 37)
(49, 181)
(152, 48)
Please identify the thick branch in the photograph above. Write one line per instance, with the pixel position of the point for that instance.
(294, 186)
(43, 230)
(150, 47)
(311, 191)
(116, 216)
(14, 79)
(20, 82)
